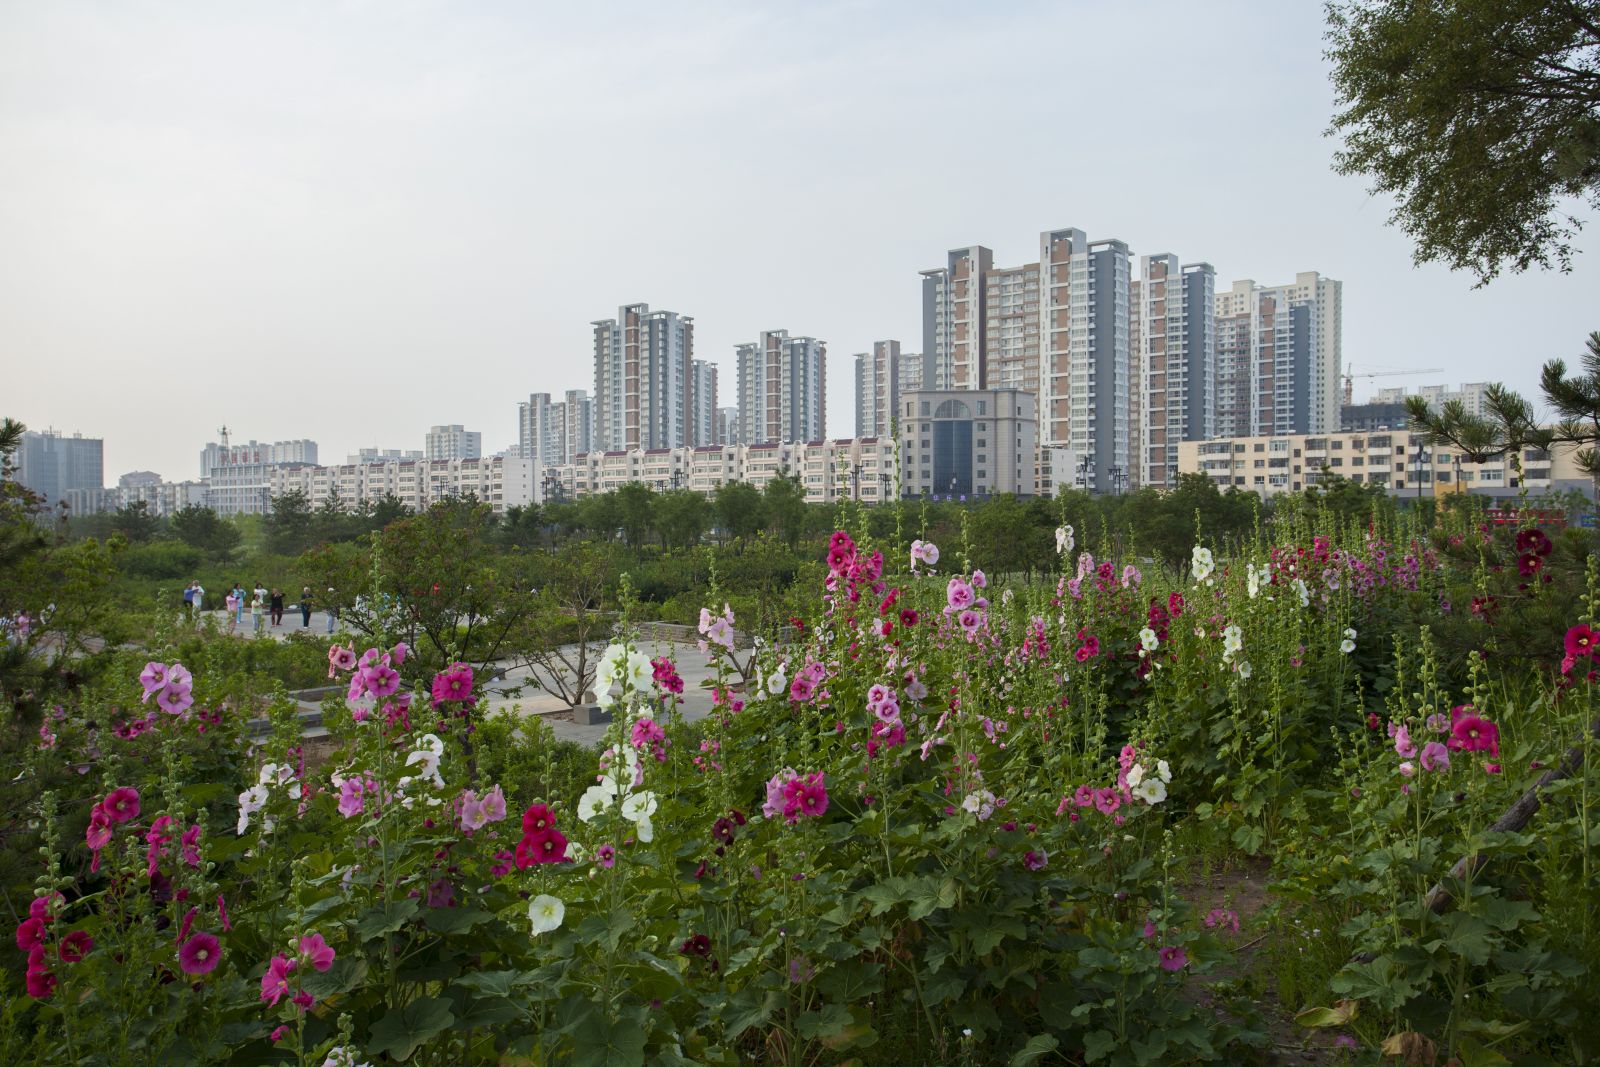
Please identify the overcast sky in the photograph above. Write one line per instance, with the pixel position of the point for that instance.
(349, 221)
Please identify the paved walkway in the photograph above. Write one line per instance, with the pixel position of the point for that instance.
(291, 624)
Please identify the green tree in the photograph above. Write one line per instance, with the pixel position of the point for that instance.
(1576, 401)
(136, 522)
(740, 509)
(601, 515)
(201, 527)
(1480, 117)
(681, 517)
(635, 512)
(289, 524)
(785, 498)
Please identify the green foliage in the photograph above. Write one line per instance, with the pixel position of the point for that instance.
(1480, 117)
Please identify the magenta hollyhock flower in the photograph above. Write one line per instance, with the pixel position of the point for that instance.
(1083, 796)
(814, 796)
(800, 690)
(121, 805)
(1173, 958)
(315, 951)
(1082, 654)
(351, 803)
(1035, 860)
(606, 856)
(547, 847)
(537, 820)
(200, 954)
(397, 655)
(381, 680)
(1581, 641)
(190, 845)
(98, 836)
(75, 946)
(454, 683)
(1107, 800)
(1435, 757)
(30, 932)
(153, 678)
(275, 983)
(1472, 733)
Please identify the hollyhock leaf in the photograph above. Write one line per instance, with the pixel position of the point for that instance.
(598, 1042)
(747, 1008)
(375, 922)
(1338, 1015)
(491, 983)
(454, 920)
(404, 1030)
(1037, 1047)
(487, 1011)
(347, 973)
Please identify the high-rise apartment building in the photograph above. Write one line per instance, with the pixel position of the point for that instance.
(1471, 395)
(877, 388)
(643, 363)
(1173, 349)
(728, 429)
(782, 388)
(911, 364)
(226, 454)
(53, 466)
(238, 477)
(1279, 354)
(541, 430)
(1057, 327)
(452, 442)
(703, 403)
(578, 427)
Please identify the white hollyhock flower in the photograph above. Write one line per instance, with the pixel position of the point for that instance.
(427, 763)
(1302, 592)
(1164, 770)
(777, 683)
(1245, 670)
(251, 801)
(645, 829)
(1151, 791)
(432, 743)
(595, 799)
(1347, 646)
(1201, 563)
(1135, 775)
(1065, 542)
(637, 806)
(1148, 641)
(545, 913)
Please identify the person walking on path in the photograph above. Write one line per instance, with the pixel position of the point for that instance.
(333, 611)
(305, 607)
(256, 604)
(277, 608)
(197, 597)
(238, 604)
(231, 601)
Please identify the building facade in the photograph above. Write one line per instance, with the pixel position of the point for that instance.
(1173, 346)
(829, 470)
(968, 442)
(54, 465)
(877, 388)
(783, 388)
(728, 428)
(160, 498)
(703, 403)
(1471, 396)
(1399, 460)
(643, 365)
(238, 477)
(452, 442)
(501, 482)
(1279, 356)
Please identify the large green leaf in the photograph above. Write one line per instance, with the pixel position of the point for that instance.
(347, 973)
(378, 921)
(600, 1042)
(404, 1030)
(1038, 1046)
(454, 920)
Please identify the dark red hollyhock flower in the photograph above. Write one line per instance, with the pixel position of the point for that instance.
(1529, 564)
(1534, 541)
(909, 617)
(537, 819)
(696, 945)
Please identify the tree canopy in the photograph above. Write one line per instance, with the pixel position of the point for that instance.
(1480, 117)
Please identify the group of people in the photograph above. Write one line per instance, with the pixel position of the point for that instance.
(260, 602)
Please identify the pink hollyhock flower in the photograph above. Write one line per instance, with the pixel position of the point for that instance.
(340, 659)
(453, 684)
(190, 845)
(813, 797)
(1107, 800)
(1083, 796)
(121, 805)
(1435, 757)
(1173, 958)
(958, 594)
(800, 690)
(548, 847)
(200, 954)
(494, 805)
(888, 710)
(1035, 860)
(606, 856)
(175, 700)
(75, 946)
(1471, 733)
(471, 810)
(397, 655)
(275, 983)
(1403, 745)
(315, 951)
(351, 802)
(153, 678)
(775, 802)
(970, 620)
(979, 579)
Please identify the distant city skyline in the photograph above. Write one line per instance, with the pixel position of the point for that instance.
(350, 226)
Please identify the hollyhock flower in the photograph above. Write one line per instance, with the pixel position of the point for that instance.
(606, 856)
(1529, 564)
(427, 763)
(493, 804)
(638, 807)
(30, 932)
(1245, 670)
(970, 620)
(1035, 859)
(121, 805)
(39, 983)
(1581, 641)
(538, 819)
(275, 983)
(251, 801)
(1404, 747)
(958, 594)
(200, 954)
(1471, 733)
(351, 802)
(1151, 790)
(1535, 541)
(98, 836)
(545, 913)
(1173, 958)
(189, 846)
(453, 684)
(1148, 641)
(548, 847)
(1407, 769)
(1107, 800)
(1201, 563)
(153, 678)
(1302, 592)
(340, 659)
(1435, 757)
(75, 946)
(470, 808)
(316, 951)
(381, 680)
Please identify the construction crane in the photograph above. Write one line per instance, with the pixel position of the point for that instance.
(1350, 374)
